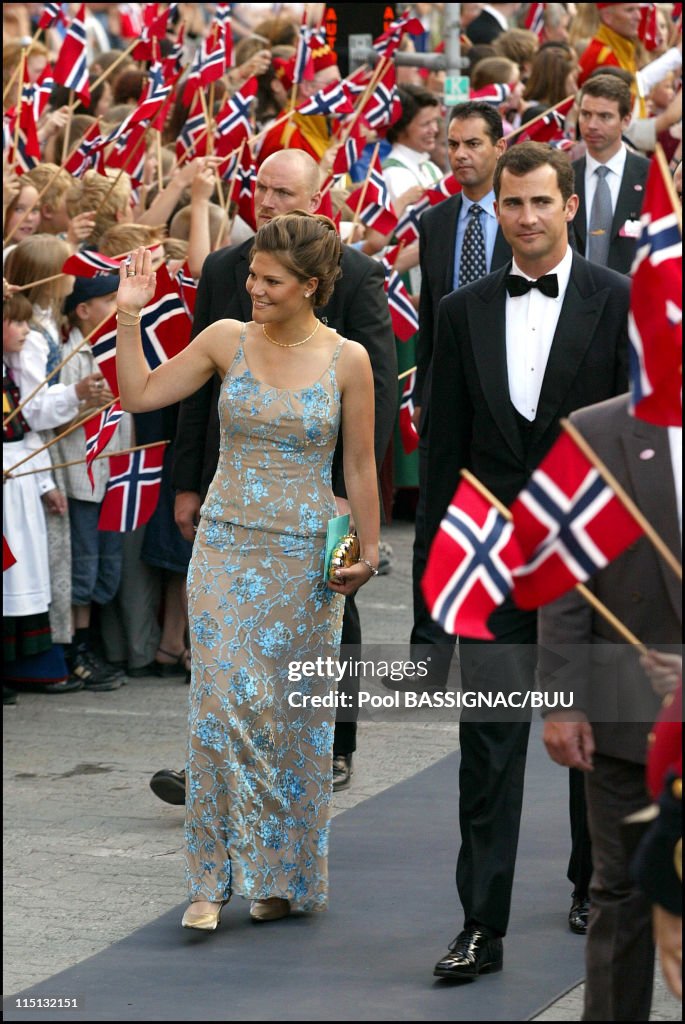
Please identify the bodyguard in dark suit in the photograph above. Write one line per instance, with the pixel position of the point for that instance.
(514, 352)
(608, 741)
(459, 241)
(610, 180)
(358, 309)
(491, 22)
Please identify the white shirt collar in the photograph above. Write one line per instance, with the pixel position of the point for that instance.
(409, 156)
(497, 15)
(616, 164)
(562, 270)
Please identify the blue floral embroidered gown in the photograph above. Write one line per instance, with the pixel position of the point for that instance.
(259, 774)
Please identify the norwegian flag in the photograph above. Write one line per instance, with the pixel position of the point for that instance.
(333, 100)
(165, 330)
(677, 12)
(209, 64)
(550, 128)
(27, 153)
(388, 42)
(187, 288)
(88, 155)
(53, 14)
(655, 320)
(648, 30)
(243, 189)
(535, 19)
(350, 151)
(158, 90)
(37, 93)
(494, 94)
(71, 69)
(128, 153)
(376, 211)
(407, 229)
(569, 525)
(233, 123)
(405, 322)
(132, 490)
(8, 559)
(303, 64)
(154, 28)
(99, 431)
(383, 106)
(408, 432)
(470, 564)
(223, 19)
(130, 21)
(193, 136)
(173, 62)
(88, 263)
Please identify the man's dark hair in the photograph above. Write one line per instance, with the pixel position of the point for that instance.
(485, 111)
(413, 98)
(609, 87)
(528, 156)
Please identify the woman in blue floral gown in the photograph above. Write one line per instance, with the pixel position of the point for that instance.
(259, 768)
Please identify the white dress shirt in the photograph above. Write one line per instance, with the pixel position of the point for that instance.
(675, 440)
(531, 322)
(616, 167)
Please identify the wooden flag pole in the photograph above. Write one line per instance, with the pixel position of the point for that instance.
(405, 373)
(102, 455)
(67, 129)
(658, 543)
(127, 161)
(365, 186)
(598, 605)
(115, 64)
(7, 473)
(20, 100)
(226, 224)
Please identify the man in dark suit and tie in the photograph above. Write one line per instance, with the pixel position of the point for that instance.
(514, 352)
(459, 241)
(610, 180)
(358, 309)
(619, 694)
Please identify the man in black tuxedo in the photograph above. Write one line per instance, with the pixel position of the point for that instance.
(459, 241)
(358, 309)
(514, 352)
(610, 180)
(491, 22)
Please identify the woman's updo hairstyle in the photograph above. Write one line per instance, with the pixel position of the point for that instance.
(307, 245)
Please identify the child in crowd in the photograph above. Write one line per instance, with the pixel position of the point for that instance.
(96, 555)
(29, 657)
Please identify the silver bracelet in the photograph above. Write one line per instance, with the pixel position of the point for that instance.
(374, 570)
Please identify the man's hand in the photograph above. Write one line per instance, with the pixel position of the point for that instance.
(187, 513)
(668, 936)
(55, 502)
(664, 670)
(569, 740)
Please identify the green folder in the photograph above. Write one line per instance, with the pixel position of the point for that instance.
(335, 531)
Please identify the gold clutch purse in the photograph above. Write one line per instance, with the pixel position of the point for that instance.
(345, 553)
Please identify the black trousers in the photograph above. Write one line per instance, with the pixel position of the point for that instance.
(345, 734)
(580, 861)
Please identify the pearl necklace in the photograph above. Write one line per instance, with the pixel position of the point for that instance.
(295, 344)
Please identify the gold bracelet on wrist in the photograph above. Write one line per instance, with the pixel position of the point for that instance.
(127, 312)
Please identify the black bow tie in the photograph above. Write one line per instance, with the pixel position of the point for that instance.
(548, 285)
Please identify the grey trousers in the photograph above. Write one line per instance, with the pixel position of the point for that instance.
(620, 951)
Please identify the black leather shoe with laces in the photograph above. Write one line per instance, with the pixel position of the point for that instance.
(472, 953)
(169, 786)
(578, 914)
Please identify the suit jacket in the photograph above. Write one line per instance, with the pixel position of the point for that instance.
(628, 207)
(437, 234)
(472, 422)
(357, 310)
(484, 28)
(638, 587)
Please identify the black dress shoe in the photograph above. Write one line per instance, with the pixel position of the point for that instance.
(472, 953)
(169, 786)
(578, 914)
(342, 771)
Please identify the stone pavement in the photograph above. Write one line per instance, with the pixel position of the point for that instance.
(91, 854)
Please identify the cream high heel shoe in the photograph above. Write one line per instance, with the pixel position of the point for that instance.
(206, 922)
(269, 910)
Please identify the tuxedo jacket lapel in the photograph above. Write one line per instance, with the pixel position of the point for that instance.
(242, 267)
(486, 313)
(580, 313)
(650, 477)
